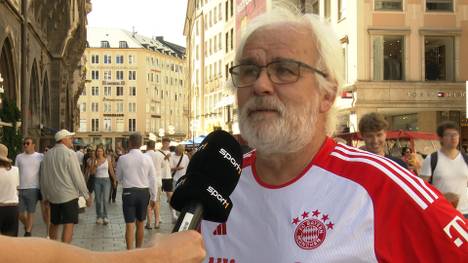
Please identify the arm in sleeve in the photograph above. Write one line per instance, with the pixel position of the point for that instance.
(76, 175)
(437, 233)
(152, 179)
(42, 181)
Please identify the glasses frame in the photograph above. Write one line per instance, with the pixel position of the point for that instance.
(261, 67)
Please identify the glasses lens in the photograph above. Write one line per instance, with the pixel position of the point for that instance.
(283, 72)
(26, 143)
(244, 75)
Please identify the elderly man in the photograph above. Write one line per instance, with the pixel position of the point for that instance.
(302, 197)
(137, 174)
(61, 184)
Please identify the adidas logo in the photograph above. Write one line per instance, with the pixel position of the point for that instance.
(220, 230)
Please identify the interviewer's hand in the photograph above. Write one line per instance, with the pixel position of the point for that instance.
(181, 247)
(89, 201)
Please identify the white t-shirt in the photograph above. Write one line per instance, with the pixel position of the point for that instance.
(347, 205)
(449, 176)
(9, 182)
(29, 166)
(157, 162)
(166, 164)
(183, 164)
(102, 170)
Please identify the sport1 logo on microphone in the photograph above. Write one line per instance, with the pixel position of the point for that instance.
(231, 159)
(218, 196)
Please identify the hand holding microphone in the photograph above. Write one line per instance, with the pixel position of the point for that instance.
(211, 177)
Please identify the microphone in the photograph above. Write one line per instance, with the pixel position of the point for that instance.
(212, 175)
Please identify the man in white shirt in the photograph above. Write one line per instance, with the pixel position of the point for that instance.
(450, 173)
(179, 163)
(29, 164)
(137, 174)
(167, 185)
(157, 162)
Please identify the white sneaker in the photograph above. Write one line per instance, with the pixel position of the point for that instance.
(99, 221)
(105, 221)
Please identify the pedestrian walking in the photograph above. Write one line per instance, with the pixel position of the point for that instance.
(447, 168)
(9, 182)
(103, 167)
(179, 163)
(137, 174)
(29, 165)
(114, 181)
(157, 160)
(62, 183)
(166, 175)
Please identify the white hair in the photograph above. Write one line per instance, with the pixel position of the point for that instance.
(327, 45)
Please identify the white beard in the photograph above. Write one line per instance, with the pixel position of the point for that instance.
(290, 130)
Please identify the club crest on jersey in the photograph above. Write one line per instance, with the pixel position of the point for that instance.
(311, 229)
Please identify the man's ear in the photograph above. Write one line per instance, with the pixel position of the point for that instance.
(327, 99)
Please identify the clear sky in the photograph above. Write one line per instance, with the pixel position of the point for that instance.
(149, 17)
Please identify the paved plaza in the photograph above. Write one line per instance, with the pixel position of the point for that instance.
(96, 237)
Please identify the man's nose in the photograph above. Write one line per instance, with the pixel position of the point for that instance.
(263, 85)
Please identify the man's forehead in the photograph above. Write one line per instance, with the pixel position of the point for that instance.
(280, 40)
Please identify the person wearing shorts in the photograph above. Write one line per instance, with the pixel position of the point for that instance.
(29, 164)
(167, 182)
(137, 174)
(62, 182)
(157, 162)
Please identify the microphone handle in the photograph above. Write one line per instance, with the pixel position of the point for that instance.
(190, 217)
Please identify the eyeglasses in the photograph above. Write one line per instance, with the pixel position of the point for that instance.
(451, 135)
(27, 143)
(283, 71)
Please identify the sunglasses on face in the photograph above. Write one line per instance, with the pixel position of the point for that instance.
(27, 143)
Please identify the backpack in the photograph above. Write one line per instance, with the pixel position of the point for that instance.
(434, 157)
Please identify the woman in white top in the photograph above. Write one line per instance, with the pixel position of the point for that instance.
(102, 183)
(9, 182)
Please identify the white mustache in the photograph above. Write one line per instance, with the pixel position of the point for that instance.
(264, 104)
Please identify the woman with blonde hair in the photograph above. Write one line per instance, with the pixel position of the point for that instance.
(104, 170)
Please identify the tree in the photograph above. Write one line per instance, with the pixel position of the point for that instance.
(10, 136)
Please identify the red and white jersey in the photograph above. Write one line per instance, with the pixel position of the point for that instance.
(346, 206)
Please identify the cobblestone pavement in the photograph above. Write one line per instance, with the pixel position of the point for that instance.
(89, 235)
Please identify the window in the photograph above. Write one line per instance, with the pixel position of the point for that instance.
(105, 44)
(439, 5)
(215, 18)
(132, 107)
(327, 7)
(132, 75)
(95, 59)
(215, 42)
(107, 124)
(94, 91)
(83, 125)
(388, 52)
(119, 75)
(227, 42)
(439, 56)
(83, 92)
(226, 5)
(316, 7)
(119, 91)
(107, 91)
(107, 75)
(94, 125)
(232, 7)
(123, 44)
(119, 107)
(131, 59)
(232, 38)
(119, 125)
(83, 107)
(131, 125)
(94, 106)
(132, 91)
(388, 4)
(341, 9)
(95, 74)
(220, 11)
(220, 41)
(119, 59)
(107, 107)
(107, 59)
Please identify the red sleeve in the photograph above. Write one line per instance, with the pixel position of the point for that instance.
(408, 233)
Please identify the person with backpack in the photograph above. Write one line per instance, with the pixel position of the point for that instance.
(447, 168)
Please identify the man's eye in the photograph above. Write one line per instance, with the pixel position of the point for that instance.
(283, 70)
(249, 71)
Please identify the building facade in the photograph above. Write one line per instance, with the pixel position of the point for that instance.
(134, 83)
(210, 33)
(42, 43)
